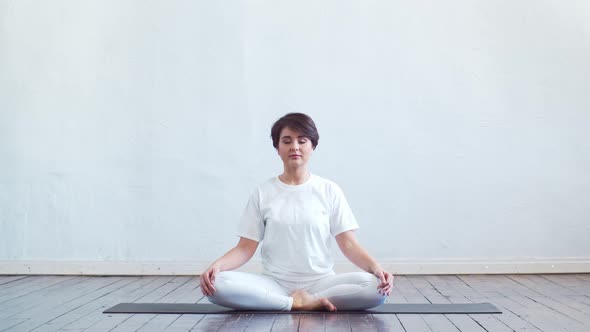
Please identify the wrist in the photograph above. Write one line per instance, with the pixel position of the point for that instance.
(374, 268)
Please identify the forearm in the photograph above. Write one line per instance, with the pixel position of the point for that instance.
(233, 259)
(359, 256)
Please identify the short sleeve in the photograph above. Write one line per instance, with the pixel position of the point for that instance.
(341, 217)
(251, 225)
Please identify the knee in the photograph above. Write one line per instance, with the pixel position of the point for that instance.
(366, 279)
(366, 295)
(221, 284)
(371, 293)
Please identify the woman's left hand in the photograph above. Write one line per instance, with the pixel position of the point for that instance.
(385, 281)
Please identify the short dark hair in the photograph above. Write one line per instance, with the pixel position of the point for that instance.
(296, 121)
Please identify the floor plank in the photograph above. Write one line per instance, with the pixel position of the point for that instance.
(509, 308)
(360, 322)
(261, 322)
(388, 323)
(338, 322)
(312, 322)
(61, 311)
(542, 317)
(58, 305)
(8, 279)
(37, 299)
(409, 294)
(29, 286)
(20, 281)
(449, 292)
(286, 322)
(164, 292)
(209, 323)
(570, 281)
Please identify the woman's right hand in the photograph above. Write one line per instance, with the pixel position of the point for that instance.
(234, 258)
(208, 279)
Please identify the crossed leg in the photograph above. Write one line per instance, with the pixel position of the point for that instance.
(347, 291)
(241, 290)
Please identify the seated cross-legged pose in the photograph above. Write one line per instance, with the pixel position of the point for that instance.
(294, 216)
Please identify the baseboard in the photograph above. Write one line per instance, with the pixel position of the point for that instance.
(408, 267)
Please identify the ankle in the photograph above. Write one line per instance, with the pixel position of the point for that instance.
(296, 302)
(303, 300)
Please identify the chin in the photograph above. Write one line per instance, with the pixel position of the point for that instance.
(295, 163)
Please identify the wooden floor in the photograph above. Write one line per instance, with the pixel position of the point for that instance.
(74, 303)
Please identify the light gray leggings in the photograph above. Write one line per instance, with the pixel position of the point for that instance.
(347, 291)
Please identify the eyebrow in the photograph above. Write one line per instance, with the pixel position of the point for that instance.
(287, 136)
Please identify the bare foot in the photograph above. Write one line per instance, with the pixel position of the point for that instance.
(302, 300)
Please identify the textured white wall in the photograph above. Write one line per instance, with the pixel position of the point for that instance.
(135, 130)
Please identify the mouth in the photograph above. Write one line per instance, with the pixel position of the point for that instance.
(295, 156)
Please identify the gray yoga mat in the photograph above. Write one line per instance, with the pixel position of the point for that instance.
(388, 308)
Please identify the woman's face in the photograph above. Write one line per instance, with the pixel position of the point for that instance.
(295, 150)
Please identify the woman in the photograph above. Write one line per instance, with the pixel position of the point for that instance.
(294, 215)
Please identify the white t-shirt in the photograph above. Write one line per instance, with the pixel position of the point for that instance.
(295, 224)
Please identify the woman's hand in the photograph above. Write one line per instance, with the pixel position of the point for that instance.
(234, 258)
(208, 279)
(361, 258)
(386, 281)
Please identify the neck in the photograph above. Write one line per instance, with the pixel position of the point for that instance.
(295, 176)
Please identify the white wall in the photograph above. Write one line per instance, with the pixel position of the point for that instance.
(134, 131)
